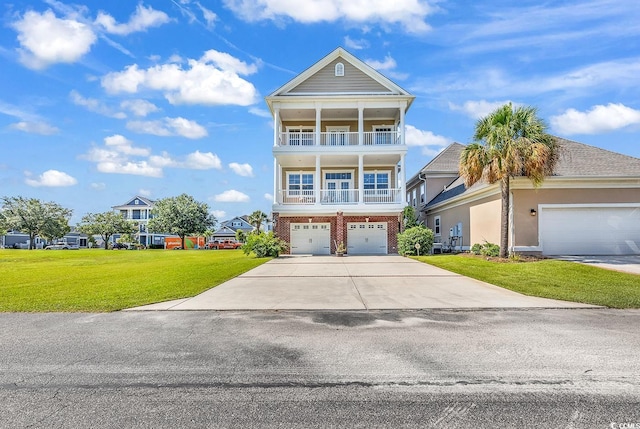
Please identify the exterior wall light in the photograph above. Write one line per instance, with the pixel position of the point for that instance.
(533, 212)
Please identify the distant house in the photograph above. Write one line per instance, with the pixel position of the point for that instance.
(228, 228)
(589, 206)
(19, 240)
(138, 209)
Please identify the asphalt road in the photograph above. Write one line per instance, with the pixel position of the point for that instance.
(448, 369)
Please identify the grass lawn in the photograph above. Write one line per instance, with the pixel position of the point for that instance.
(108, 280)
(548, 278)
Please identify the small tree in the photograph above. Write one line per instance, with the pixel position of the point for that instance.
(241, 236)
(36, 218)
(105, 225)
(408, 239)
(257, 218)
(409, 217)
(182, 216)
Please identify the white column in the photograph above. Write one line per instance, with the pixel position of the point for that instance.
(402, 129)
(318, 122)
(403, 185)
(361, 178)
(276, 126)
(360, 125)
(275, 180)
(317, 180)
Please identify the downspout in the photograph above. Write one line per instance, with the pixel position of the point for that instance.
(424, 179)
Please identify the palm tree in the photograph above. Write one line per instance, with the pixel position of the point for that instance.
(509, 142)
(257, 218)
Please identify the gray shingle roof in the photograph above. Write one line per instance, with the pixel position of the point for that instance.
(446, 161)
(580, 160)
(576, 160)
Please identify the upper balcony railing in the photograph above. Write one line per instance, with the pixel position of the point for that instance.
(369, 138)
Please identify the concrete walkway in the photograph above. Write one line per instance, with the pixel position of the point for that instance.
(354, 283)
(624, 263)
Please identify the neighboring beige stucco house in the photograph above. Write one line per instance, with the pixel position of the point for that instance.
(339, 154)
(590, 206)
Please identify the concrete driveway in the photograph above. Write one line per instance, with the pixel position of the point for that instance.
(624, 263)
(354, 283)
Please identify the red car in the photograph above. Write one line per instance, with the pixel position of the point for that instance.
(224, 244)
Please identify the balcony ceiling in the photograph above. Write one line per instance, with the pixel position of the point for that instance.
(336, 114)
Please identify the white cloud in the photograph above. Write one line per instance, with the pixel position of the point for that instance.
(244, 170)
(138, 168)
(408, 14)
(94, 105)
(355, 44)
(231, 196)
(209, 16)
(431, 143)
(268, 197)
(219, 214)
(259, 112)
(139, 107)
(169, 127)
(142, 19)
(477, 109)
(599, 119)
(98, 186)
(45, 39)
(203, 161)
(35, 128)
(51, 178)
(387, 67)
(214, 79)
(125, 146)
(144, 192)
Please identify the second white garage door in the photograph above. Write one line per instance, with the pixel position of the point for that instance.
(590, 230)
(310, 238)
(368, 238)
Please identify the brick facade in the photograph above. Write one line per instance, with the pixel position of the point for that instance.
(339, 227)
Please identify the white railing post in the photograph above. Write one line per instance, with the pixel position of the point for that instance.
(360, 125)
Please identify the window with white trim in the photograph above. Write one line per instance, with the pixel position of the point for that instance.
(339, 69)
(299, 183)
(374, 182)
(436, 226)
(300, 135)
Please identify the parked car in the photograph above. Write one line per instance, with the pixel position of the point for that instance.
(224, 244)
(61, 246)
(118, 246)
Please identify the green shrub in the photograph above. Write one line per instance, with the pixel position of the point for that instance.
(486, 249)
(418, 234)
(263, 245)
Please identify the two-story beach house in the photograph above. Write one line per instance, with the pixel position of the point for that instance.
(339, 158)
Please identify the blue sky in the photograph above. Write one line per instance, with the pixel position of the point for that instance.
(101, 101)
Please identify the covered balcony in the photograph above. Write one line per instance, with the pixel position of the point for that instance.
(339, 196)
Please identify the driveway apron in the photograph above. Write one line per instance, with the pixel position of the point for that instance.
(354, 283)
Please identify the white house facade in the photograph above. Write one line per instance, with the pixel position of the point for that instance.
(339, 158)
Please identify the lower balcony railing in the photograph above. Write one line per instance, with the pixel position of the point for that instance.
(340, 196)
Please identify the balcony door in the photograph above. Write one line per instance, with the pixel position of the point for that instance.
(339, 187)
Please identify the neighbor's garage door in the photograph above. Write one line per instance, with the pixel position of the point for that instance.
(310, 238)
(593, 230)
(367, 238)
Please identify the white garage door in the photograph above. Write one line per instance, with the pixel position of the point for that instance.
(367, 238)
(310, 238)
(594, 230)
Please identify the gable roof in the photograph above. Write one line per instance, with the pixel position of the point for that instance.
(446, 161)
(371, 81)
(576, 160)
(131, 202)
